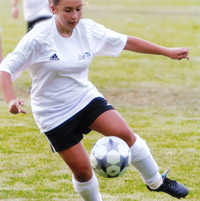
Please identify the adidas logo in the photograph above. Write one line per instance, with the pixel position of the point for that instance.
(54, 57)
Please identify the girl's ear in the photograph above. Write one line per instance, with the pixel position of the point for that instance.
(53, 8)
(50, 5)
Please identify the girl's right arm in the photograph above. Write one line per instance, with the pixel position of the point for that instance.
(14, 105)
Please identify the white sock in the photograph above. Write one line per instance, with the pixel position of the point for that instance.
(89, 190)
(144, 162)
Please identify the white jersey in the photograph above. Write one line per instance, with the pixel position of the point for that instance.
(34, 9)
(59, 67)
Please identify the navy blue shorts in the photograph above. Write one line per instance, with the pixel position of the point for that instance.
(31, 24)
(71, 131)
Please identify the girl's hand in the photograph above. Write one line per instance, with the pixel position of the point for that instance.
(15, 106)
(178, 53)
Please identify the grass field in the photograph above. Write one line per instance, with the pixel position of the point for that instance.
(158, 97)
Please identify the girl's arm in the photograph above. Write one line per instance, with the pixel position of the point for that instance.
(14, 105)
(142, 46)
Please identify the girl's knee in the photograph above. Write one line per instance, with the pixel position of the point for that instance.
(128, 136)
(83, 173)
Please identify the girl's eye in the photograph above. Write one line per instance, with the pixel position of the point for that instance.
(78, 9)
(69, 10)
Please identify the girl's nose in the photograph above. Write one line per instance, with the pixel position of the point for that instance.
(74, 15)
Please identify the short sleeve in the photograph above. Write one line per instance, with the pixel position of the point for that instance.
(106, 42)
(17, 61)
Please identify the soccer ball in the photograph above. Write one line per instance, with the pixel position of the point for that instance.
(110, 157)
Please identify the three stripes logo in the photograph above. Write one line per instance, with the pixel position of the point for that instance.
(54, 57)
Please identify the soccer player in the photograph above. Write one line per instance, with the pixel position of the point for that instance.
(66, 104)
(34, 11)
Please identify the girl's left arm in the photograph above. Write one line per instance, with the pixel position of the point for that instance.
(142, 46)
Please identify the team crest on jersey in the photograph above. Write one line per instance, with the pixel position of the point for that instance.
(86, 55)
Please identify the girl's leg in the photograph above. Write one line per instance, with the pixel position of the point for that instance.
(84, 180)
(110, 123)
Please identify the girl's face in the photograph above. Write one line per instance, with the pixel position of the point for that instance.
(68, 14)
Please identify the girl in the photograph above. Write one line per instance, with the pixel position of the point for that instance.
(66, 104)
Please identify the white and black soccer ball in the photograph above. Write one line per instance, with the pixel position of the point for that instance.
(110, 157)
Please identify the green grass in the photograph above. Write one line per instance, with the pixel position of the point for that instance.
(158, 97)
